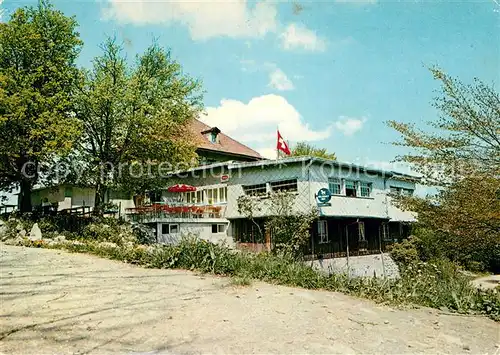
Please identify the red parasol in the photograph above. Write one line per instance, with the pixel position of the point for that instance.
(181, 188)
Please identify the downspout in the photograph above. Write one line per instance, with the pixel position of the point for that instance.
(383, 226)
(310, 205)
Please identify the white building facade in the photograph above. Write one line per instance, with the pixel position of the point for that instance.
(358, 215)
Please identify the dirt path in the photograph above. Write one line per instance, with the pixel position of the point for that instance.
(55, 302)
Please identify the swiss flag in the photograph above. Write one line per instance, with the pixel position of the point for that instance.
(281, 145)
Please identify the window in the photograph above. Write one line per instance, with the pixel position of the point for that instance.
(209, 196)
(395, 190)
(407, 192)
(335, 186)
(68, 191)
(384, 231)
(323, 231)
(284, 186)
(223, 194)
(212, 137)
(361, 231)
(169, 228)
(365, 189)
(190, 197)
(200, 197)
(218, 228)
(255, 190)
(350, 188)
(401, 191)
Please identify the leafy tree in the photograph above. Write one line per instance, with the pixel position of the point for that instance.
(135, 119)
(305, 149)
(38, 50)
(289, 229)
(461, 155)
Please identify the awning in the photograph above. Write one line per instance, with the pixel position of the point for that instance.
(181, 188)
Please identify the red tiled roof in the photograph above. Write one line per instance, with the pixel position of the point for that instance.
(225, 144)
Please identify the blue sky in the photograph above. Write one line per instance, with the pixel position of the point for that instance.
(330, 72)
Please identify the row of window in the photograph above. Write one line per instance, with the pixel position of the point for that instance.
(173, 228)
(324, 237)
(352, 188)
(273, 186)
(337, 186)
(323, 231)
(349, 188)
(208, 196)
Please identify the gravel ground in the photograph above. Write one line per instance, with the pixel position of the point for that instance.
(56, 302)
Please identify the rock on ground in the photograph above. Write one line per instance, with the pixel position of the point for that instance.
(56, 302)
(36, 233)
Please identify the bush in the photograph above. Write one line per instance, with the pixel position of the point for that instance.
(405, 253)
(109, 230)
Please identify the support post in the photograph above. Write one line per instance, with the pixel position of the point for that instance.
(347, 249)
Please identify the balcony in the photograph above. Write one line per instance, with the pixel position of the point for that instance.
(158, 212)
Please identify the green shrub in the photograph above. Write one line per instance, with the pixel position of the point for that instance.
(109, 231)
(241, 281)
(405, 253)
(46, 225)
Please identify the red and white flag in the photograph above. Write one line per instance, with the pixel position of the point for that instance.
(281, 145)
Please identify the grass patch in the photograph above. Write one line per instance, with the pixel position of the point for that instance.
(241, 281)
(437, 284)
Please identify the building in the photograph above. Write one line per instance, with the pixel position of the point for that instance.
(356, 215)
(78, 199)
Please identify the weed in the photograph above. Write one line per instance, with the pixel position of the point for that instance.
(241, 281)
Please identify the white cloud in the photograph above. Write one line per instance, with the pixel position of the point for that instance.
(204, 18)
(256, 121)
(298, 36)
(349, 125)
(279, 81)
(268, 153)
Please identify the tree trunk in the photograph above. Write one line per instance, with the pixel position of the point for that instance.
(25, 197)
(99, 200)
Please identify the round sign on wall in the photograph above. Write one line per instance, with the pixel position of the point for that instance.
(324, 195)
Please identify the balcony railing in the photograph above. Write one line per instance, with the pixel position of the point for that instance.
(159, 211)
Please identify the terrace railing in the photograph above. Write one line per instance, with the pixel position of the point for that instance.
(161, 211)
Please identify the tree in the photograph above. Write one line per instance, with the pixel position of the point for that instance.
(305, 149)
(289, 229)
(38, 50)
(461, 155)
(135, 118)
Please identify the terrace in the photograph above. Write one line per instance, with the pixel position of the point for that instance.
(159, 211)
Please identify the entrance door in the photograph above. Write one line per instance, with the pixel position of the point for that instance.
(323, 231)
(356, 238)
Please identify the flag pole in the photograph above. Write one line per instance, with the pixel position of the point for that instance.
(277, 141)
